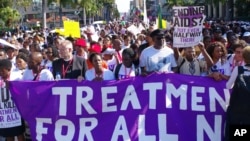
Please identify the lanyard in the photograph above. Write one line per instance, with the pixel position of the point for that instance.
(119, 56)
(36, 76)
(64, 70)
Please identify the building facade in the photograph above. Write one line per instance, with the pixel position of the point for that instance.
(224, 11)
(32, 15)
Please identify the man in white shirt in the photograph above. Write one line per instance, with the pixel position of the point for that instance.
(157, 58)
(35, 71)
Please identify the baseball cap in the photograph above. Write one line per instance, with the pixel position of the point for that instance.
(95, 48)
(157, 32)
(80, 42)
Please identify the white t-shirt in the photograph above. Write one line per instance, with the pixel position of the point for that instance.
(13, 61)
(15, 75)
(107, 74)
(45, 75)
(222, 68)
(161, 60)
(126, 72)
(112, 63)
(47, 64)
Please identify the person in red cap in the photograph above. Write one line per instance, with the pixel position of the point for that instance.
(81, 47)
(95, 48)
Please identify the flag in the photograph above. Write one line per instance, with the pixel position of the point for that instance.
(160, 26)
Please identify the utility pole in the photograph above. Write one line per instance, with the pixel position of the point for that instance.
(44, 14)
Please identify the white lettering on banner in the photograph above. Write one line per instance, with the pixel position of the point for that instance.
(80, 101)
(86, 125)
(40, 130)
(85, 129)
(180, 92)
(130, 97)
(142, 130)
(214, 95)
(106, 101)
(162, 124)
(63, 92)
(70, 130)
(152, 87)
(120, 130)
(195, 99)
(203, 125)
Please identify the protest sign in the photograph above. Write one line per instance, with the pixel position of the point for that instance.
(158, 107)
(133, 29)
(9, 115)
(72, 29)
(188, 24)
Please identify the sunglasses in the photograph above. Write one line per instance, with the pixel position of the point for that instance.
(48, 52)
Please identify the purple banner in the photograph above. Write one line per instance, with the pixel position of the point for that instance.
(158, 107)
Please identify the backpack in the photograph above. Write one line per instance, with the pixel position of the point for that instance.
(118, 67)
(179, 67)
(182, 62)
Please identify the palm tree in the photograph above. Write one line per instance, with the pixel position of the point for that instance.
(86, 6)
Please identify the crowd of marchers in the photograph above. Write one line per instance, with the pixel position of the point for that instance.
(115, 53)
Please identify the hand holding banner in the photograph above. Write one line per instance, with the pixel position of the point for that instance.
(158, 107)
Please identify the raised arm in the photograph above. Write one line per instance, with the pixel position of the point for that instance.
(207, 57)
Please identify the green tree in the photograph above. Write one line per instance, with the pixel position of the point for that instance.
(243, 13)
(9, 16)
(6, 3)
(86, 5)
(23, 3)
(171, 3)
(116, 13)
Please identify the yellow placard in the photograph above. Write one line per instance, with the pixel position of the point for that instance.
(60, 31)
(71, 28)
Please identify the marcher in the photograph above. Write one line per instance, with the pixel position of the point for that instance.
(221, 68)
(35, 71)
(127, 69)
(189, 63)
(68, 66)
(98, 73)
(7, 75)
(238, 111)
(157, 58)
